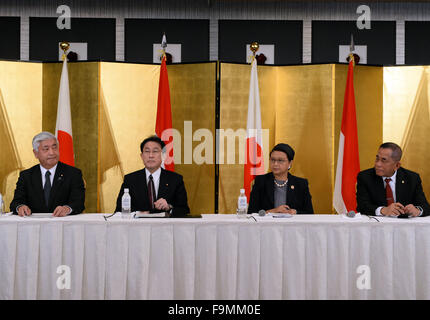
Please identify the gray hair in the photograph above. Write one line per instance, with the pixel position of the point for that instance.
(396, 151)
(38, 138)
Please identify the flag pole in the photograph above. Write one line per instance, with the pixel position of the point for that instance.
(163, 122)
(348, 161)
(63, 127)
(254, 163)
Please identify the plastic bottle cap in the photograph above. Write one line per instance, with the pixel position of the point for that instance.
(125, 189)
(242, 190)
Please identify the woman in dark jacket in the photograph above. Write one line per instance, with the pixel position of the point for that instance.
(279, 191)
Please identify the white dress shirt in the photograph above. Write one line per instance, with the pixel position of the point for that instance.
(393, 188)
(51, 177)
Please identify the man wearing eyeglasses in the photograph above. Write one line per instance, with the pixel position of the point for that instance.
(279, 191)
(154, 189)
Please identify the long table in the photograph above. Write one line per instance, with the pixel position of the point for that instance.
(214, 257)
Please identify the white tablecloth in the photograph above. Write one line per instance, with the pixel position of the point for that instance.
(215, 257)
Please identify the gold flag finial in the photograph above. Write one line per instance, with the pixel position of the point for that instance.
(254, 47)
(351, 57)
(64, 46)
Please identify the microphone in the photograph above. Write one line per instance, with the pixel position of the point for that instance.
(350, 214)
(262, 213)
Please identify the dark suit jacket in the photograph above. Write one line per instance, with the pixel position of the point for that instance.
(371, 192)
(67, 189)
(263, 194)
(171, 188)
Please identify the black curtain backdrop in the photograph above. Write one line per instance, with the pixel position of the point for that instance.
(99, 33)
(234, 35)
(10, 38)
(417, 42)
(380, 40)
(141, 34)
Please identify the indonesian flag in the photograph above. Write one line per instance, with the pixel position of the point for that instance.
(348, 163)
(63, 128)
(163, 124)
(254, 164)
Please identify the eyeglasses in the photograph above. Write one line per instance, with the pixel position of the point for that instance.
(147, 152)
(280, 161)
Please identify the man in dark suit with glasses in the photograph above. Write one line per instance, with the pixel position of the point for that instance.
(154, 189)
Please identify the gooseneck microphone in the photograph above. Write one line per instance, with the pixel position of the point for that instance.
(262, 213)
(350, 214)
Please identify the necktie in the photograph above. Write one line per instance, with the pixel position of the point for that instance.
(389, 192)
(47, 187)
(151, 191)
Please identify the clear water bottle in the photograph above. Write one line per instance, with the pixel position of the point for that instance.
(242, 205)
(126, 205)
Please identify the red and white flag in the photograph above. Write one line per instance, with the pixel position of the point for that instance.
(163, 124)
(348, 162)
(254, 164)
(63, 128)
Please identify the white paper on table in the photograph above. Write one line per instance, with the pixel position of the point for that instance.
(140, 214)
(40, 215)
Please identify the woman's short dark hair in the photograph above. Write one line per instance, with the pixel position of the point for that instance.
(283, 147)
(153, 139)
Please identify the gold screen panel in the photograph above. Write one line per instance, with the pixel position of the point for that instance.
(83, 86)
(301, 106)
(20, 120)
(304, 112)
(368, 84)
(407, 117)
(234, 93)
(192, 93)
(128, 108)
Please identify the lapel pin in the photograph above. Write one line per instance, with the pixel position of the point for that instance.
(292, 187)
(403, 181)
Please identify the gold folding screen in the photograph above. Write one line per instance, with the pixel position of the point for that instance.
(234, 92)
(113, 109)
(407, 117)
(128, 108)
(368, 86)
(114, 106)
(301, 106)
(193, 98)
(20, 119)
(83, 85)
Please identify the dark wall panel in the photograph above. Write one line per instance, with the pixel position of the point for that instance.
(10, 38)
(234, 35)
(417, 42)
(99, 33)
(380, 40)
(141, 34)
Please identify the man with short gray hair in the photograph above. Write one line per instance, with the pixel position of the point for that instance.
(50, 186)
